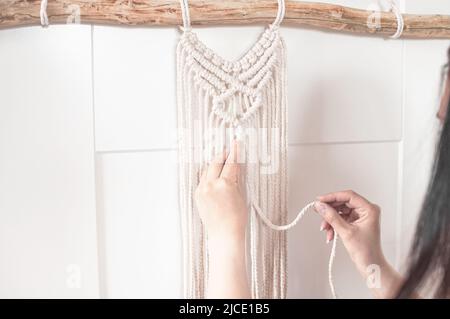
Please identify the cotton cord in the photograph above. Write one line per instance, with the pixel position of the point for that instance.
(330, 266)
(280, 14)
(185, 14)
(43, 13)
(281, 227)
(400, 21)
(299, 216)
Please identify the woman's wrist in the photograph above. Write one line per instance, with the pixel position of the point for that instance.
(226, 242)
(227, 268)
(383, 280)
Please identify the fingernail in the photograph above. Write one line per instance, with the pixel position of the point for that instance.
(328, 241)
(322, 228)
(321, 208)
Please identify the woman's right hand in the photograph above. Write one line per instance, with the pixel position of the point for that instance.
(357, 222)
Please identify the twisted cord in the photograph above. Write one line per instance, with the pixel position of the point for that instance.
(43, 13)
(185, 14)
(281, 13)
(400, 21)
(292, 224)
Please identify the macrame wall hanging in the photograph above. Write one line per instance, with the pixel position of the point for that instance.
(217, 101)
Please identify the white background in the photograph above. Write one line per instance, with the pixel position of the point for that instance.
(88, 185)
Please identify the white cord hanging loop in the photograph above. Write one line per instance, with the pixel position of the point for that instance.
(187, 19)
(400, 20)
(186, 15)
(280, 14)
(43, 13)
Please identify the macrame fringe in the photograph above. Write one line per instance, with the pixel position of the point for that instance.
(206, 126)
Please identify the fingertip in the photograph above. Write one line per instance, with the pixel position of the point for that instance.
(330, 235)
(320, 207)
(235, 152)
(322, 226)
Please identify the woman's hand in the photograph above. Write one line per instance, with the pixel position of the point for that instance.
(224, 214)
(357, 222)
(219, 199)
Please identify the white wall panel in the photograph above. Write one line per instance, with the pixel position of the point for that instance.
(139, 226)
(47, 195)
(343, 88)
(427, 7)
(134, 88)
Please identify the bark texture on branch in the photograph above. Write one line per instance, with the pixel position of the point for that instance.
(14, 13)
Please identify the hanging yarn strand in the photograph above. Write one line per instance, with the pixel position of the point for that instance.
(292, 224)
(219, 100)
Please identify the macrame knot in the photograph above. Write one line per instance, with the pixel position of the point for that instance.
(236, 68)
(266, 44)
(185, 29)
(227, 67)
(252, 57)
(239, 87)
(215, 60)
(208, 54)
(244, 64)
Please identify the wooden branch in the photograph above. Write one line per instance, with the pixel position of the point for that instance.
(14, 13)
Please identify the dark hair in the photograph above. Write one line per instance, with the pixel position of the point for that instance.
(430, 252)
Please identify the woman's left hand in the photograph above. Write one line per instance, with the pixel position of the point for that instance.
(224, 214)
(220, 202)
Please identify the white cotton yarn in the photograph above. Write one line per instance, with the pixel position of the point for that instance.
(400, 21)
(43, 13)
(291, 225)
(217, 100)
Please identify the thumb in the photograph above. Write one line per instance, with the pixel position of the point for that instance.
(331, 216)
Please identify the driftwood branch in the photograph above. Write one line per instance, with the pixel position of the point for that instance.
(14, 13)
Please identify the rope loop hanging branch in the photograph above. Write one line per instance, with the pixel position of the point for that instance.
(331, 17)
(185, 16)
(400, 21)
(280, 13)
(43, 13)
